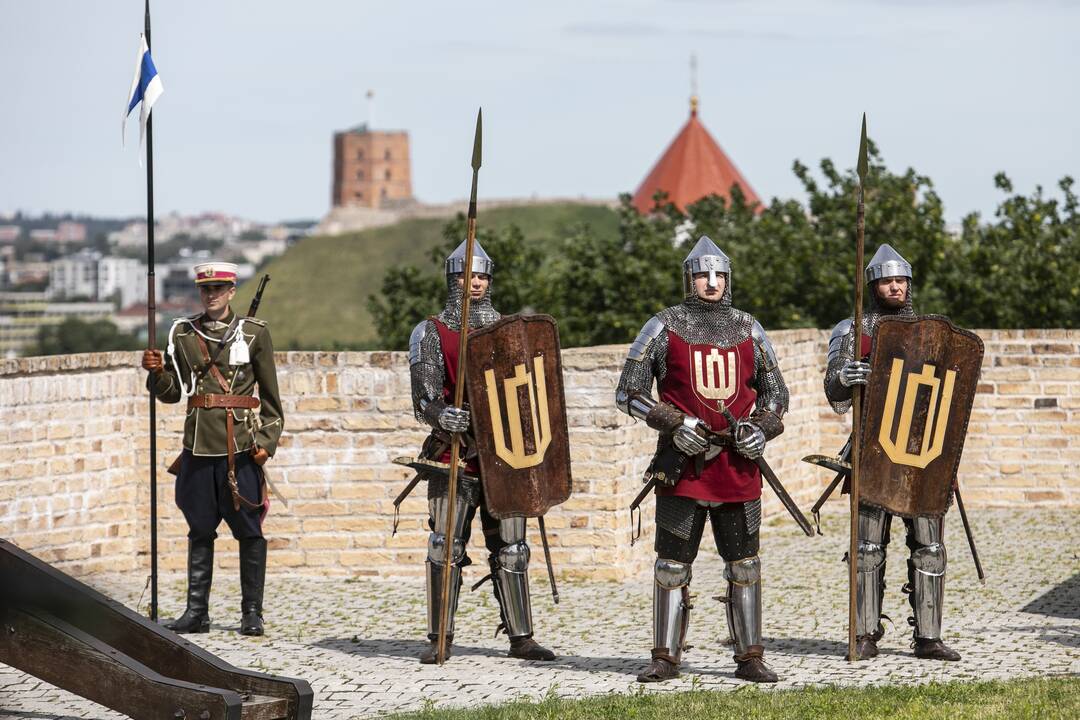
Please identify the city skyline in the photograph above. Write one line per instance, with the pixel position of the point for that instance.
(578, 100)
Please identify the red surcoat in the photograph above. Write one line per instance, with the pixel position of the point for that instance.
(449, 340)
(699, 377)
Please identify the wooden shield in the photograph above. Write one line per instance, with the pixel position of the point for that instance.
(515, 384)
(916, 410)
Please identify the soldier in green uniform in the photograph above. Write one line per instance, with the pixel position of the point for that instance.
(214, 361)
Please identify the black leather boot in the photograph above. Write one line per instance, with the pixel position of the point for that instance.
(252, 580)
(196, 618)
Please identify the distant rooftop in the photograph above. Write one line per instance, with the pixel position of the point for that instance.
(692, 167)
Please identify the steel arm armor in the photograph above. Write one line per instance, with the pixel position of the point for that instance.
(645, 363)
(841, 350)
(427, 373)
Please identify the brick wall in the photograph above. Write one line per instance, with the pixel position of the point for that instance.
(73, 445)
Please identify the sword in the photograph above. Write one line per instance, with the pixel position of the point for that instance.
(274, 490)
(547, 559)
(770, 477)
(967, 531)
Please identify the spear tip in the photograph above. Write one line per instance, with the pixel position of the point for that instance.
(477, 139)
(864, 164)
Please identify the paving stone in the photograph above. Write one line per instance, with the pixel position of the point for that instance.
(356, 642)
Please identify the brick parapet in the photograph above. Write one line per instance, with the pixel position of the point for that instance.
(75, 490)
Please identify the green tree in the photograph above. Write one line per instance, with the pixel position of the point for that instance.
(792, 262)
(78, 336)
(1022, 270)
(410, 294)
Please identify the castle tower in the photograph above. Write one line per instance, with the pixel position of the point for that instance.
(371, 168)
(691, 168)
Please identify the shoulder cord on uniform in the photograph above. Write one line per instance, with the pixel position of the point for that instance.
(171, 350)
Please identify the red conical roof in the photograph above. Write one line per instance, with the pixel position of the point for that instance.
(691, 168)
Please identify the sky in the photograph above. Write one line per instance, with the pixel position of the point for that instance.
(579, 98)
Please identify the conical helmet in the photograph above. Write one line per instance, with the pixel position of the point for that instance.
(481, 263)
(705, 257)
(887, 263)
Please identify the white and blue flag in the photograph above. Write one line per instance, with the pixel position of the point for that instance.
(146, 88)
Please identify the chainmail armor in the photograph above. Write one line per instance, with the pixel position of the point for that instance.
(839, 396)
(637, 375)
(752, 509)
(772, 396)
(481, 313)
(700, 322)
(427, 375)
(676, 514)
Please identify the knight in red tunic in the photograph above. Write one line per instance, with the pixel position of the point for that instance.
(704, 354)
(888, 275)
(433, 368)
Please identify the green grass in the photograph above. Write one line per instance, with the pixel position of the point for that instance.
(1036, 698)
(317, 297)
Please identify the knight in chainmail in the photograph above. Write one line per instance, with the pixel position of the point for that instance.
(433, 367)
(890, 279)
(704, 354)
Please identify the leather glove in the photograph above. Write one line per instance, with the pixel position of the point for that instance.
(260, 456)
(153, 361)
(455, 420)
(854, 373)
(687, 440)
(749, 440)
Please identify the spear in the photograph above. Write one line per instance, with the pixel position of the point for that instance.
(856, 394)
(459, 393)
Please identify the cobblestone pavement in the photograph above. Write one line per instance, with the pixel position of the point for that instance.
(356, 641)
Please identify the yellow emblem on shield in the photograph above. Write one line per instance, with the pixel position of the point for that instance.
(535, 385)
(937, 419)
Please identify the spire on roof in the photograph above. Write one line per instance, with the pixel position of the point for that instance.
(693, 166)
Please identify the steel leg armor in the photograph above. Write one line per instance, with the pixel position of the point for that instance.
(671, 609)
(512, 578)
(873, 524)
(926, 576)
(437, 558)
(744, 603)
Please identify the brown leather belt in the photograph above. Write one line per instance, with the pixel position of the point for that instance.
(215, 400)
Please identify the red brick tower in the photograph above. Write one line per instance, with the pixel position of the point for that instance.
(371, 168)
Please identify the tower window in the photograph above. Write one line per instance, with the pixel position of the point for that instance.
(387, 174)
(359, 154)
(383, 192)
(359, 195)
(359, 174)
(386, 155)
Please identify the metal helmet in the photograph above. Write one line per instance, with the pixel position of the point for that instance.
(705, 257)
(481, 263)
(887, 263)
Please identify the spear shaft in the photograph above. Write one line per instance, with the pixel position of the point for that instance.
(459, 396)
(856, 396)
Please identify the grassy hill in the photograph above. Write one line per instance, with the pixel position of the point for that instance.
(317, 296)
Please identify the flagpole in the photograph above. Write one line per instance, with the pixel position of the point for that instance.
(151, 319)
